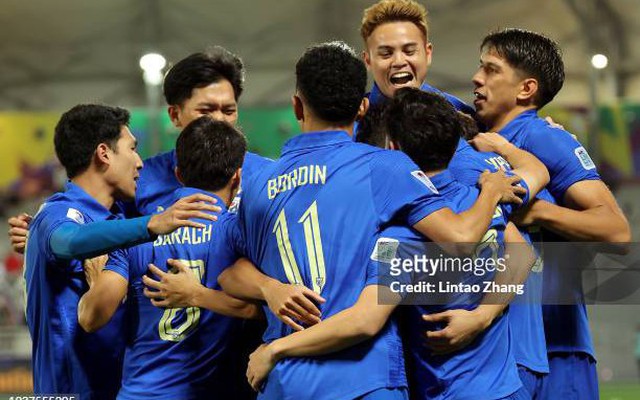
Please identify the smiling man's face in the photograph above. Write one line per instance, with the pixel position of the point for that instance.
(398, 55)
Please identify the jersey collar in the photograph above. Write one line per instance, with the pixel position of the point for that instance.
(188, 191)
(310, 140)
(514, 127)
(89, 204)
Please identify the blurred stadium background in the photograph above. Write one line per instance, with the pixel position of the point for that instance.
(57, 54)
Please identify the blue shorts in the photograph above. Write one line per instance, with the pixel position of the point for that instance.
(386, 394)
(572, 376)
(532, 381)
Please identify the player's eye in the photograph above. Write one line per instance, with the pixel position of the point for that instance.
(230, 111)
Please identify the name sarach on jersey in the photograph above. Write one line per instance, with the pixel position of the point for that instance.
(305, 175)
(185, 235)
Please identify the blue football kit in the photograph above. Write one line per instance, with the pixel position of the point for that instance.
(525, 314)
(311, 218)
(70, 226)
(566, 326)
(180, 353)
(486, 368)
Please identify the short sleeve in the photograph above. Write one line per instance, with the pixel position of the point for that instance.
(118, 262)
(565, 158)
(399, 188)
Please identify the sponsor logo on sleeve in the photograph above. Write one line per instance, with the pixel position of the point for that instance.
(75, 215)
(583, 156)
(419, 175)
(385, 250)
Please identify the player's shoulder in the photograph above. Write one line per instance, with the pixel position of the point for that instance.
(541, 131)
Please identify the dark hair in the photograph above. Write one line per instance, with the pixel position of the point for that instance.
(469, 126)
(202, 69)
(532, 54)
(80, 131)
(372, 129)
(209, 152)
(425, 126)
(332, 81)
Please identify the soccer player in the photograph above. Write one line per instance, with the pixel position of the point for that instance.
(520, 72)
(294, 214)
(99, 155)
(184, 353)
(398, 54)
(425, 126)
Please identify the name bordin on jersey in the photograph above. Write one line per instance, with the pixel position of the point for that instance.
(305, 175)
(185, 235)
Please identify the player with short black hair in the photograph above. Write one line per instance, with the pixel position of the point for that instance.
(184, 352)
(511, 84)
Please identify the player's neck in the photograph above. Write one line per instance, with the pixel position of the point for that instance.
(315, 125)
(226, 194)
(95, 187)
(503, 120)
(433, 173)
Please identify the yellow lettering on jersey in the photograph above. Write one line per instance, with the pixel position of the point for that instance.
(305, 175)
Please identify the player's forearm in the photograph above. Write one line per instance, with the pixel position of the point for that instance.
(244, 281)
(360, 322)
(88, 240)
(95, 308)
(598, 224)
(527, 166)
(221, 303)
(471, 225)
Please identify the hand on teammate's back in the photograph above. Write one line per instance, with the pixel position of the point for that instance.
(293, 304)
(18, 228)
(462, 327)
(93, 267)
(504, 185)
(261, 362)
(181, 212)
(489, 142)
(172, 290)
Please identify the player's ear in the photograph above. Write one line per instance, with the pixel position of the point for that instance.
(366, 58)
(528, 90)
(174, 115)
(428, 51)
(362, 110)
(103, 154)
(176, 171)
(298, 107)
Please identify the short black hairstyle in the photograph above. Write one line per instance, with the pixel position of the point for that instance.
(425, 126)
(202, 69)
(469, 126)
(533, 55)
(80, 131)
(372, 129)
(332, 80)
(209, 152)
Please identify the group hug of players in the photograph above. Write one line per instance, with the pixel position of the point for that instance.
(191, 256)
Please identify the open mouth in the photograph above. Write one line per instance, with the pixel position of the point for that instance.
(479, 96)
(401, 78)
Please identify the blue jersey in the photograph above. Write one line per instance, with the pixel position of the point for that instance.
(566, 326)
(311, 218)
(486, 369)
(158, 180)
(525, 319)
(65, 358)
(179, 353)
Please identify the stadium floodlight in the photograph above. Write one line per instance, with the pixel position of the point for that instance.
(152, 65)
(599, 61)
